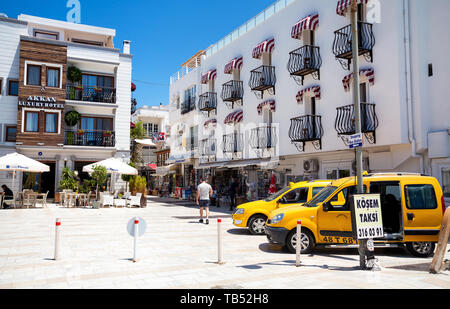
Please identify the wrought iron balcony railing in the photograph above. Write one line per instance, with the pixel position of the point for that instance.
(208, 147)
(207, 102)
(90, 94)
(264, 137)
(345, 121)
(306, 129)
(261, 79)
(233, 143)
(90, 138)
(232, 91)
(304, 61)
(342, 45)
(188, 105)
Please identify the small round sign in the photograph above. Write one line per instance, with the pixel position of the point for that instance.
(142, 226)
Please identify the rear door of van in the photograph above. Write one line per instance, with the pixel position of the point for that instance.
(422, 212)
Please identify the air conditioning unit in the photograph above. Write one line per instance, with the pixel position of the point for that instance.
(311, 166)
(365, 165)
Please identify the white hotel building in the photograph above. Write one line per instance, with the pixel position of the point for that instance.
(286, 71)
(36, 54)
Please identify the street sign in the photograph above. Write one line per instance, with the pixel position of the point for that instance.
(367, 220)
(355, 141)
(141, 227)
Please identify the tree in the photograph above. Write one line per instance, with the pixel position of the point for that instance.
(127, 178)
(136, 152)
(99, 176)
(68, 181)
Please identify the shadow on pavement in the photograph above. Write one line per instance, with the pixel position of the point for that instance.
(171, 202)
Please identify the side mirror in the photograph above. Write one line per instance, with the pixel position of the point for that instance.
(327, 207)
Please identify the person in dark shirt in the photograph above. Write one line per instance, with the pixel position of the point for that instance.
(7, 194)
(232, 193)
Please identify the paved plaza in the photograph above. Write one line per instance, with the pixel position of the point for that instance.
(177, 252)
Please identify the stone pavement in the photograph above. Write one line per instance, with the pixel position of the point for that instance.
(179, 253)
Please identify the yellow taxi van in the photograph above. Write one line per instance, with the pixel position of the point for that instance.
(254, 215)
(412, 208)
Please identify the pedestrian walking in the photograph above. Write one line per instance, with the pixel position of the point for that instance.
(204, 191)
(232, 193)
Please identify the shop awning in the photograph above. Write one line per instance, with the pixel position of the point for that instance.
(266, 46)
(271, 104)
(179, 158)
(245, 163)
(344, 5)
(210, 165)
(313, 91)
(235, 64)
(310, 22)
(234, 117)
(210, 122)
(152, 166)
(209, 76)
(367, 75)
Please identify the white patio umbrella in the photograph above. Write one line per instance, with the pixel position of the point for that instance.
(113, 166)
(16, 162)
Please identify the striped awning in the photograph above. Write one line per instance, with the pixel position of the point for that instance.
(271, 104)
(234, 117)
(310, 22)
(313, 91)
(211, 122)
(365, 74)
(211, 75)
(235, 64)
(344, 5)
(266, 46)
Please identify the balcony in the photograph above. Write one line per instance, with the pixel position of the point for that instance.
(261, 79)
(342, 45)
(345, 122)
(264, 137)
(208, 102)
(90, 94)
(304, 61)
(306, 129)
(232, 92)
(188, 105)
(208, 147)
(233, 144)
(90, 138)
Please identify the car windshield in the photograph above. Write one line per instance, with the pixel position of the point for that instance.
(322, 196)
(277, 195)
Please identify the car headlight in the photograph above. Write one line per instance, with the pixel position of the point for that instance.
(239, 211)
(277, 219)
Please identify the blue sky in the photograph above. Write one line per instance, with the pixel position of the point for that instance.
(164, 34)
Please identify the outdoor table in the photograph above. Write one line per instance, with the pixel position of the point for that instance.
(27, 199)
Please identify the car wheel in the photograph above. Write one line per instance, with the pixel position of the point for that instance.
(257, 225)
(307, 241)
(421, 249)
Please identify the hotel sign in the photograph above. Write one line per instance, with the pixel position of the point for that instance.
(41, 102)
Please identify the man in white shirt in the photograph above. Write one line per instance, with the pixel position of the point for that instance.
(204, 190)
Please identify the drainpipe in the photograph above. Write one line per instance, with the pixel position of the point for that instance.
(408, 80)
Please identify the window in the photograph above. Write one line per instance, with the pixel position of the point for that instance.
(31, 121)
(420, 197)
(309, 37)
(344, 197)
(363, 92)
(51, 123)
(13, 87)
(46, 35)
(95, 43)
(33, 75)
(101, 81)
(316, 190)
(446, 181)
(53, 77)
(96, 124)
(11, 132)
(299, 195)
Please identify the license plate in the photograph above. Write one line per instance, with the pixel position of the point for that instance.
(339, 240)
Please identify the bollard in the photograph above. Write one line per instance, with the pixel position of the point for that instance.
(219, 242)
(57, 239)
(136, 232)
(299, 243)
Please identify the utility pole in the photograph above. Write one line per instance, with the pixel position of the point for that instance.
(363, 251)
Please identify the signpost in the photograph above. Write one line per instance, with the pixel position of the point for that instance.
(356, 141)
(136, 228)
(367, 224)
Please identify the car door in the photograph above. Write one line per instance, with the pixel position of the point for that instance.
(335, 225)
(296, 196)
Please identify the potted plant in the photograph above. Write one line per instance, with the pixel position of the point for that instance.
(71, 118)
(75, 76)
(80, 132)
(107, 134)
(97, 89)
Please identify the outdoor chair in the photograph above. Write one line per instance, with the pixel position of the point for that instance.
(120, 202)
(135, 200)
(26, 198)
(42, 199)
(107, 200)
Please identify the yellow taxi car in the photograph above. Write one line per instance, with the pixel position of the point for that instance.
(254, 215)
(412, 208)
